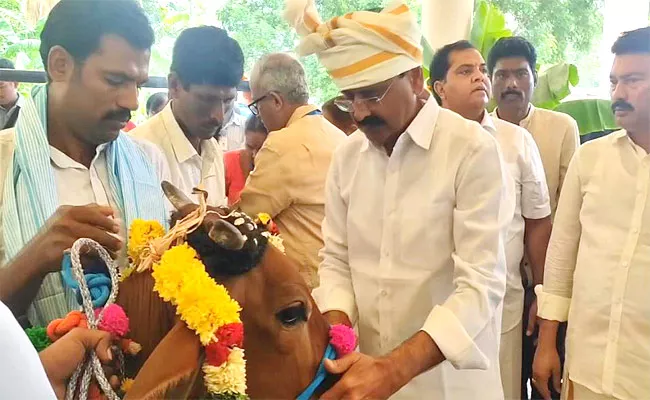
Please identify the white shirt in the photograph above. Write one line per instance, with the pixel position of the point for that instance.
(21, 373)
(524, 163)
(188, 168)
(557, 137)
(598, 268)
(76, 184)
(413, 242)
(233, 134)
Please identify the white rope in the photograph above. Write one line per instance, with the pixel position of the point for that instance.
(91, 364)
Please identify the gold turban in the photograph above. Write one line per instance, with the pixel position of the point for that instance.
(361, 48)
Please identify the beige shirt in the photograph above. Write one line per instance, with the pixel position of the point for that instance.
(188, 168)
(288, 183)
(598, 268)
(413, 243)
(524, 163)
(557, 137)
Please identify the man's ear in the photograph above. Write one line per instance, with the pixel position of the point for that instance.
(439, 89)
(60, 64)
(416, 77)
(278, 101)
(174, 85)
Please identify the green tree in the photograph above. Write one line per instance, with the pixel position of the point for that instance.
(259, 28)
(561, 30)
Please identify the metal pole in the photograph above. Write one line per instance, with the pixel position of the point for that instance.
(16, 75)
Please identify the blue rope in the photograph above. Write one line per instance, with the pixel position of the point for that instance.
(321, 374)
(98, 283)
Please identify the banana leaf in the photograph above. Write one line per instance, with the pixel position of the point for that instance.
(554, 84)
(427, 57)
(488, 26)
(594, 117)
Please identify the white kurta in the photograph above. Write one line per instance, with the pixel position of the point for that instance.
(21, 373)
(414, 242)
(597, 268)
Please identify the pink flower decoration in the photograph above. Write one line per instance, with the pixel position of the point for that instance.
(343, 339)
(114, 321)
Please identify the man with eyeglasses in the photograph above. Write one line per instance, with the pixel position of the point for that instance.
(207, 65)
(461, 84)
(288, 181)
(415, 218)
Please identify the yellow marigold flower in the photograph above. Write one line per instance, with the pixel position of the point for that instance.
(202, 304)
(228, 377)
(140, 233)
(264, 218)
(127, 384)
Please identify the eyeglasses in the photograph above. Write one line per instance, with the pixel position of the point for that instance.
(347, 105)
(253, 106)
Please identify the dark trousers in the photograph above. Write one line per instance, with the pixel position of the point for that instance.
(529, 344)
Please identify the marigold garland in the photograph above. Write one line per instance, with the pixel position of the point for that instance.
(207, 308)
(141, 233)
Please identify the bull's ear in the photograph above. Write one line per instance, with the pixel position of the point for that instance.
(225, 234)
(175, 196)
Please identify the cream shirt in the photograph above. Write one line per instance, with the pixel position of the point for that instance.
(557, 137)
(413, 242)
(524, 163)
(188, 168)
(288, 183)
(597, 268)
(76, 184)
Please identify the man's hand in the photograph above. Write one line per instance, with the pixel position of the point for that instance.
(545, 366)
(363, 377)
(62, 357)
(69, 224)
(337, 317)
(532, 318)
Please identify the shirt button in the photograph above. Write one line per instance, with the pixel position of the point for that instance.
(384, 293)
(625, 265)
(635, 230)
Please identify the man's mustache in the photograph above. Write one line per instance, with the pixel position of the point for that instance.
(371, 122)
(513, 92)
(622, 105)
(121, 115)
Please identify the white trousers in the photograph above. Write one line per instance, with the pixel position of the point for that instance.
(510, 362)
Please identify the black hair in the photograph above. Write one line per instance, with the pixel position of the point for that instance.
(440, 63)
(78, 26)
(155, 101)
(515, 46)
(633, 42)
(222, 262)
(254, 124)
(206, 55)
(6, 64)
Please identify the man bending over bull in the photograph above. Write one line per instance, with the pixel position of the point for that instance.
(66, 170)
(415, 210)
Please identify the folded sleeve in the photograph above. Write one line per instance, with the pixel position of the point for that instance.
(335, 292)
(479, 225)
(555, 295)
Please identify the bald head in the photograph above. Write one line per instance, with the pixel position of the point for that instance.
(280, 73)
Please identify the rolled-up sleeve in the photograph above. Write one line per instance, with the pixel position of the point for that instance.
(335, 292)
(554, 297)
(484, 208)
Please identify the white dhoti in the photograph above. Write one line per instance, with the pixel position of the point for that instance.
(510, 362)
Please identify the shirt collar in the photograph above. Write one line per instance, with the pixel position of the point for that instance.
(183, 149)
(421, 128)
(63, 161)
(17, 104)
(301, 112)
(488, 123)
(622, 137)
(235, 119)
(524, 122)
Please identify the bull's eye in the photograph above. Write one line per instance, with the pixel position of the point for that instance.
(293, 315)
